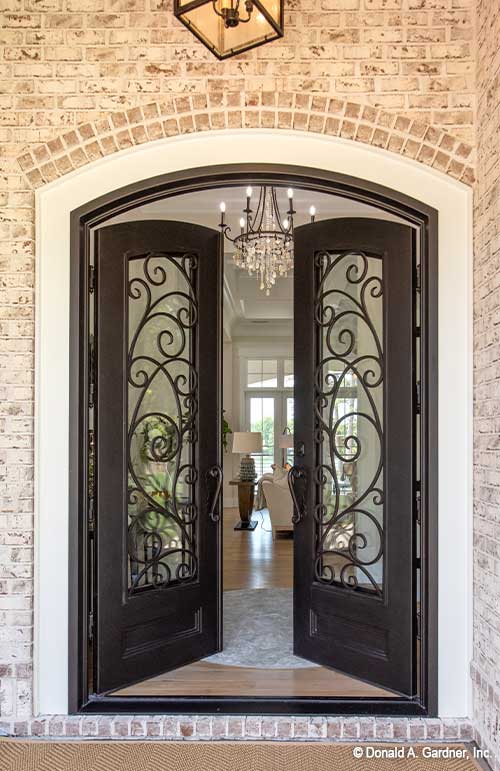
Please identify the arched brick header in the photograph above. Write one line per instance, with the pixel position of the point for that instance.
(271, 110)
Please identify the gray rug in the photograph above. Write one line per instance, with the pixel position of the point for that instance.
(258, 630)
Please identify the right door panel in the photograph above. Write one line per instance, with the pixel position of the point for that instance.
(354, 437)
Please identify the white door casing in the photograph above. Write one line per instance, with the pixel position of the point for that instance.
(55, 201)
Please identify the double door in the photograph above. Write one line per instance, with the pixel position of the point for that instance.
(157, 468)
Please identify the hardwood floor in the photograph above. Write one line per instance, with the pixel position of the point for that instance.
(207, 679)
(252, 560)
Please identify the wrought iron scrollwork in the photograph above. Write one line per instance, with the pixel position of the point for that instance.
(298, 474)
(215, 472)
(349, 431)
(162, 421)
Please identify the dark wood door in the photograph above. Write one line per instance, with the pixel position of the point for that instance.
(354, 436)
(158, 448)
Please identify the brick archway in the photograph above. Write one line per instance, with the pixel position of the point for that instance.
(130, 170)
(320, 114)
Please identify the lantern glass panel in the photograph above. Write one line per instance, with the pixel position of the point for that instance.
(222, 41)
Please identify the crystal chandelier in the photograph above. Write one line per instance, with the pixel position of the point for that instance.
(264, 246)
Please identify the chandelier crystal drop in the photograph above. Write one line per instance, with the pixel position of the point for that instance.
(264, 246)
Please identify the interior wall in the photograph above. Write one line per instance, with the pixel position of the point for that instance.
(486, 662)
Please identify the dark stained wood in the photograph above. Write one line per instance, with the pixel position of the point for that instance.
(246, 494)
(156, 629)
(359, 633)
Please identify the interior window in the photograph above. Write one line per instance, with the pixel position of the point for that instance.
(262, 373)
(262, 418)
(272, 412)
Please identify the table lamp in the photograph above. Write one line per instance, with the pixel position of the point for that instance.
(245, 442)
(285, 443)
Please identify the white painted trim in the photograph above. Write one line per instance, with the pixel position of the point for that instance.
(38, 474)
(453, 201)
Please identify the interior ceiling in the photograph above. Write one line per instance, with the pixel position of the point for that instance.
(247, 310)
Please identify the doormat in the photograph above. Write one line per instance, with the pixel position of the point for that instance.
(119, 755)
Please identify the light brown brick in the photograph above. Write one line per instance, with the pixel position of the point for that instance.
(82, 79)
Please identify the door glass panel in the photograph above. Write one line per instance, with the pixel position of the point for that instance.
(262, 419)
(162, 420)
(349, 410)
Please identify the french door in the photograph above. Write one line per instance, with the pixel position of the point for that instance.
(156, 469)
(156, 466)
(271, 413)
(354, 481)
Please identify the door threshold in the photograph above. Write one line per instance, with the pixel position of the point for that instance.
(404, 707)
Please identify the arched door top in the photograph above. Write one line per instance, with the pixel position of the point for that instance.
(198, 112)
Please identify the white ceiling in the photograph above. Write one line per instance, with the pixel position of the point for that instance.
(202, 207)
(247, 310)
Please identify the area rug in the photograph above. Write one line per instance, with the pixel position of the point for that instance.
(213, 756)
(258, 630)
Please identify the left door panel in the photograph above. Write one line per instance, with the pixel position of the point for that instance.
(157, 448)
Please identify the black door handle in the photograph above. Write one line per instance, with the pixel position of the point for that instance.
(215, 472)
(299, 506)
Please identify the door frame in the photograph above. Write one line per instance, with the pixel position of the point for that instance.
(98, 211)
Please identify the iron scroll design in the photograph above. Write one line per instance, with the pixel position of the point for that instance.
(162, 420)
(296, 473)
(349, 369)
(214, 472)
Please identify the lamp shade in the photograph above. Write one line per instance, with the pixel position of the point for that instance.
(228, 27)
(247, 441)
(286, 441)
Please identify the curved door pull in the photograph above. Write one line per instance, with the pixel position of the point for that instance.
(299, 506)
(215, 472)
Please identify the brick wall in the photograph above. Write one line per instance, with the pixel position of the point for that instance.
(64, 63)
(486, 666)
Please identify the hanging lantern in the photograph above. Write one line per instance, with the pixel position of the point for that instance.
(229, 27)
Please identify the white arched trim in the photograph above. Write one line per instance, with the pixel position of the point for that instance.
(451, 199)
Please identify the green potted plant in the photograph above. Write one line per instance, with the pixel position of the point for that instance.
(226, 430)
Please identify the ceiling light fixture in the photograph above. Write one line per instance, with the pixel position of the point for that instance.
(229, 27)
(264, 246)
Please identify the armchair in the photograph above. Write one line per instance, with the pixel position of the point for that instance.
(279, 504)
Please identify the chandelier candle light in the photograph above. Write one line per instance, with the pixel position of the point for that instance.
(264, 246)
